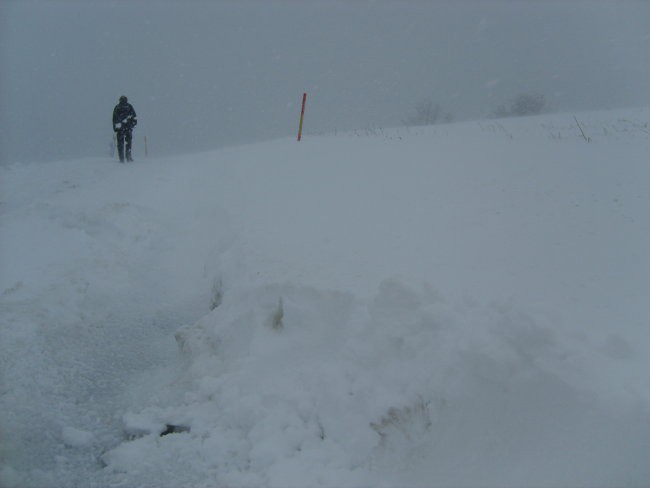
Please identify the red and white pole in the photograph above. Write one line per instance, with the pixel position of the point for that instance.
(302, 115)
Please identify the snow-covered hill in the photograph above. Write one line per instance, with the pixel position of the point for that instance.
(459, 305)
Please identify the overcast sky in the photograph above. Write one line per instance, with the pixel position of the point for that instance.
(205, 74)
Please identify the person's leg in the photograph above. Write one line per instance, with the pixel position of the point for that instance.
(120, 145)
(128, 139)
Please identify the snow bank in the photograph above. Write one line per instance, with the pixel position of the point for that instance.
(404, 389)
(462, 305)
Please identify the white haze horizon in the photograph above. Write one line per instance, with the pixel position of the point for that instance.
(203, 75)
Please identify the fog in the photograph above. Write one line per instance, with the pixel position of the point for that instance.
(206, 74)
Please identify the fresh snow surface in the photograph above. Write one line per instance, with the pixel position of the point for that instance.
(459, 305)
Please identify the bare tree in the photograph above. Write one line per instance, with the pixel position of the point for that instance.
(528, 104)
(428, 113)
(524, 104)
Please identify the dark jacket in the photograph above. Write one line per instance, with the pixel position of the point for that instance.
(124, 117)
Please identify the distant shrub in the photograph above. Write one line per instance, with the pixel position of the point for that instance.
(407, 422)
(428, 113)
(521, 105)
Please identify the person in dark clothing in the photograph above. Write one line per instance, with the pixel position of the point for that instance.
(124, 120)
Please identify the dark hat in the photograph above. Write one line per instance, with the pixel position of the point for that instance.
(123, 99)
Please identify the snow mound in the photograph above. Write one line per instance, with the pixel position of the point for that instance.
(297, 386)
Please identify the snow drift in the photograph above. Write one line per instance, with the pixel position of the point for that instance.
(462, 305)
